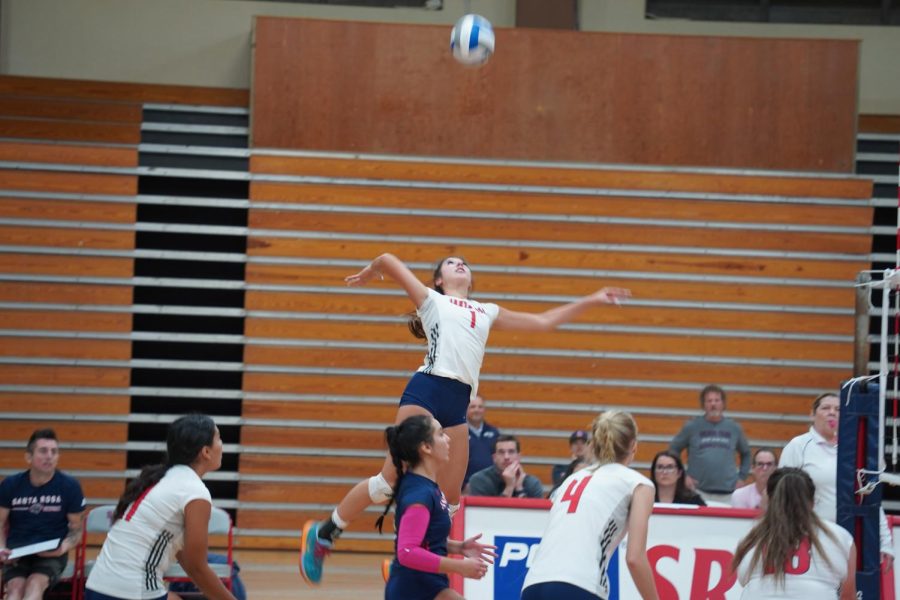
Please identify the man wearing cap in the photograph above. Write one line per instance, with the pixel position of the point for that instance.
(481, 438)
(578, 448)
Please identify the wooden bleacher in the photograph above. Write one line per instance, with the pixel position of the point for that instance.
(739, 279)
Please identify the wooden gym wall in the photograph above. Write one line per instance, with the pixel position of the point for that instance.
(555, 95)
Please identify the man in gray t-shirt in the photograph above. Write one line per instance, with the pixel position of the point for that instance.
(712, 441)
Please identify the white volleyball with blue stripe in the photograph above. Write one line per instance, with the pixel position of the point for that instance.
(472, 40)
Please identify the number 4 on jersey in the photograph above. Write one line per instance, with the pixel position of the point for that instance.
(573, 492)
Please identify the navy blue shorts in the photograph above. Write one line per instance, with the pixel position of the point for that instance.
(408, 584)
(446, 399)
(553, 590)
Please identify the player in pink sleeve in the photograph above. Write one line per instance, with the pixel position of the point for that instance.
(419, 448)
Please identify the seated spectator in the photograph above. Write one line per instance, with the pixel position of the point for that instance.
(754, 495)
(38, 505)
(667, 474)
(481, 438)
(578, 450)
(506, 477)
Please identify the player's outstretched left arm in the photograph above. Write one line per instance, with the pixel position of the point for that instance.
(636, 549)
(548, 320)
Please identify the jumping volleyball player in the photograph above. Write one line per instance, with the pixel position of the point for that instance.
(456, 328)
(419, 450)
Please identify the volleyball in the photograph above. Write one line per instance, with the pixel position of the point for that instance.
(472, 40)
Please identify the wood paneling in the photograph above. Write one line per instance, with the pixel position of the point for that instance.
(66, 293)
(649, 207)
(617, 395)
(68, 154)
(721, 101)
(86, 266)
(75, 183)
(67, 210)
(581, 280)
(65, 348)
(879, 123)
(64, 403)
(65, 321)
(67, 238)
(612, 178)
(70, 131)
(707, 318)
(69, 109)
(521, 417)
(520, 233)
(549, 366)
(70, 460)
(64, 376)
(397, 333)
(68, 431)
(68, 89)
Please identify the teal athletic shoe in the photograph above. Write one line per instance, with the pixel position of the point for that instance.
(312, 553)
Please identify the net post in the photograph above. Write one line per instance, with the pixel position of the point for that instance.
(858, 444)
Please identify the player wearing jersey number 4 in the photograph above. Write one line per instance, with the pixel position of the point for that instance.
(593, 510)
(456, 328)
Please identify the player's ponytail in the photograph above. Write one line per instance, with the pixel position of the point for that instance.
(788, 521)
(187, 436)
(613, 436)
(403, 441)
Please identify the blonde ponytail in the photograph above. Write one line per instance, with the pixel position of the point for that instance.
(614, 433)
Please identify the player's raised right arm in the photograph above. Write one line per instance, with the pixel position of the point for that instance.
(389, 265)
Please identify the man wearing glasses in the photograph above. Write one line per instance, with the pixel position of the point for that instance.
(754, 495)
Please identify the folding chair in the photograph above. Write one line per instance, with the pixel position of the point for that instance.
(219, 524)
(98, 520)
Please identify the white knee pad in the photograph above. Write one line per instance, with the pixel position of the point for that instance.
(380, 491)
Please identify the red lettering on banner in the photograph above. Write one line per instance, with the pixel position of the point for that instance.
(703, 561)
(664, 587)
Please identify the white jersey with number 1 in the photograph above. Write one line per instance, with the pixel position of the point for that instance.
(457, 332)
(588, 519)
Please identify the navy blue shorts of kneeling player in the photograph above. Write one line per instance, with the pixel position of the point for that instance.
(446, 399)
(409, 584)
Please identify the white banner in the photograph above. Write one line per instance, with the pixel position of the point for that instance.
(689, 548)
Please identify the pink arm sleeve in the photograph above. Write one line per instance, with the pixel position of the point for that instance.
(410, 552)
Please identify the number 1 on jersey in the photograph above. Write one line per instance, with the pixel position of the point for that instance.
(572, 495)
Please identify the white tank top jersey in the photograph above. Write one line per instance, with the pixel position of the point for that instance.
(809, 576)
(588, 519)
(141, 545)
(457, 332)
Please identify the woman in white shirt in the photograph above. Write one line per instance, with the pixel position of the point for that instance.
(792, 553)
(456, 329)
(163, 515)
(816, 453)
